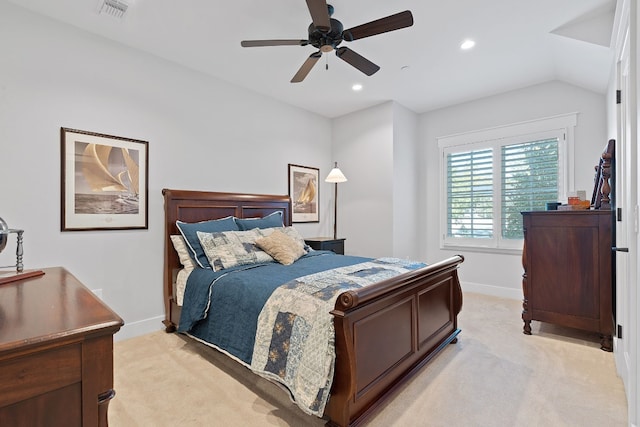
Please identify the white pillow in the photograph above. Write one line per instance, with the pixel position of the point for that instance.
(183, 253)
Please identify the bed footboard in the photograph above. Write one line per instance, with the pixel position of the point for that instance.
(386, 332)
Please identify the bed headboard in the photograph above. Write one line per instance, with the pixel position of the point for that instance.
(195, 206)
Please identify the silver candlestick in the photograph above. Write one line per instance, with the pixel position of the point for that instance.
(4, 236)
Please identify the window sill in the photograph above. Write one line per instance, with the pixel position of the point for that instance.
(499, 251)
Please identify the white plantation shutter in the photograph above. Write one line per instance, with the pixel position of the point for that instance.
(491, 176)
(470, 194)
(529, 180)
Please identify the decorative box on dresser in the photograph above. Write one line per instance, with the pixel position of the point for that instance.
(567, 280)
(56, 352)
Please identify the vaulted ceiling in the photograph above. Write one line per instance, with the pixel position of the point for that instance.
(518, 43)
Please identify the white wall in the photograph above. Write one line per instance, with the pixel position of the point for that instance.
(377, 207)
(405, 183)
(488, 272)
(203, 134)
(363, 148)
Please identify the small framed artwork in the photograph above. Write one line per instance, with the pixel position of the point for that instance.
(104, 181)
(303, 190)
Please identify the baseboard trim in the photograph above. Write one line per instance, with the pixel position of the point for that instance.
(495, 291)
(140, 327)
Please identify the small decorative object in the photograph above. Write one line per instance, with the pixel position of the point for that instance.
(335, 176)
(303, 190)
(104, 182)
(19, 273)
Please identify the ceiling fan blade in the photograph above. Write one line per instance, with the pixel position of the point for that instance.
(357, 60)
(379, 26)
(319, 14)
(259, 43)
(306, 67)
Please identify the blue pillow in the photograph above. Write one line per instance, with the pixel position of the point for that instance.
(189, 232)
(269, 221)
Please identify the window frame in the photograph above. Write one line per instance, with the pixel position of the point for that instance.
(562, 126)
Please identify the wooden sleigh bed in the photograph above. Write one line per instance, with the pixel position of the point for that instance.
(384, 333)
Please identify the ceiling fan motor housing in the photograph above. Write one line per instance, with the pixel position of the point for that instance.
(331, 38)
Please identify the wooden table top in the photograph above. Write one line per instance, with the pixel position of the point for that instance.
(51, 307)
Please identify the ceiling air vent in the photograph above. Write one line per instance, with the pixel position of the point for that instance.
(115, 8)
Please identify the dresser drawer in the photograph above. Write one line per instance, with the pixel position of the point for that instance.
(336, 246)
(37, 373)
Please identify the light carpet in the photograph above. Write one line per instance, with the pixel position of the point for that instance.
(494, 376)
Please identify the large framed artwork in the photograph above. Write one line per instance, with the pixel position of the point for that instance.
(104, 181)
(303, 190)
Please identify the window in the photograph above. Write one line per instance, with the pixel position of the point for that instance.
(490, 176)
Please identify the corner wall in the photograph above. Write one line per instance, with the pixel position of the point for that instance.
(377, 206)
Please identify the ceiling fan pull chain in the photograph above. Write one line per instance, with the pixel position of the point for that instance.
(326, 67)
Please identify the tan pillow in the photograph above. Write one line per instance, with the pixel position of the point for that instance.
(183, 253)
(281, 247)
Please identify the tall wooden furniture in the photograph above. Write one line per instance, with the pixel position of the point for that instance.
(568, 270)
(568, 261)
(56, 352)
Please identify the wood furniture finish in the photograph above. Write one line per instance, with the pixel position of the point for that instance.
(326, 244)
(384, 332)
(56, 352)
(567, 262)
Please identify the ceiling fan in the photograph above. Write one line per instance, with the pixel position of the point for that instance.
(326, 33)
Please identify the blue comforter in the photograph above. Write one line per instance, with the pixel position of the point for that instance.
(222, 307)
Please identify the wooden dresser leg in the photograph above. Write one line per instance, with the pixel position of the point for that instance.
(103, 407)
(606, 342)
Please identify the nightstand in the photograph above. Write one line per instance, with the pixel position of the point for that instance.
(326, 244)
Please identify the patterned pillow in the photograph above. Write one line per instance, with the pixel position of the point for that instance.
(286, 250)
(231, 248)
(189, 232)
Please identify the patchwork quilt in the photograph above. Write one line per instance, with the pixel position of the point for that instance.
(295, 340)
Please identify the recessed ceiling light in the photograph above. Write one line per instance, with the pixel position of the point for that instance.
(467, 44)
(356, 87)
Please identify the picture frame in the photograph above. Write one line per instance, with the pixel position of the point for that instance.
(304, 193)
(104, 181)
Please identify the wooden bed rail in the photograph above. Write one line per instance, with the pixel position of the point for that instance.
(386, 332)
(352, 298)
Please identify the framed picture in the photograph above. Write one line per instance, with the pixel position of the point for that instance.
(304, 193)
(104, 181)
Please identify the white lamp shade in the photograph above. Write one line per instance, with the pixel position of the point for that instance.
(335, 175)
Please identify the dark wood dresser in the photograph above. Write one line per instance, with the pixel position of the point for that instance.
(56, 352)
(567, 260)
